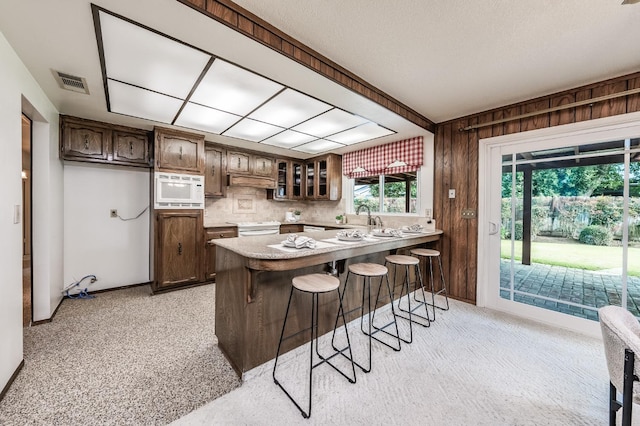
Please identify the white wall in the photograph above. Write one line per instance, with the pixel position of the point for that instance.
(19, 92)
(116, 251)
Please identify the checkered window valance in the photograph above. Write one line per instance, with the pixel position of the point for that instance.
(376, 160)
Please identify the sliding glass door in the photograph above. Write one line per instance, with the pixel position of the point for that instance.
(564, 225)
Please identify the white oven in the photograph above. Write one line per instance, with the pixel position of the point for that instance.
(249, 229)
(178, 191)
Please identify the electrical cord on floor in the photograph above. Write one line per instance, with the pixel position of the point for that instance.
(83, 293)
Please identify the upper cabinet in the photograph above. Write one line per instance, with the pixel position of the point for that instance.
(318, 178)
(263, 166)
(215, 184)
(238, 162)
(93, 141)
(178, 151)
(324, 178)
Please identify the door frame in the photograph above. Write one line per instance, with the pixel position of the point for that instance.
(597, 130)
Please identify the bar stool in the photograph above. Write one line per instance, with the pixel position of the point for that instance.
(314, 284)
(407, 261)
(368, 271)
(430, 254)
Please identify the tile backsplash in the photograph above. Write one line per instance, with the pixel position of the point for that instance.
(251, 205)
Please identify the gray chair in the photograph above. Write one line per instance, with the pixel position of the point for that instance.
(621, 337)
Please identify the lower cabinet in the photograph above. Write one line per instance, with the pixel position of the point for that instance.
(212, 234)
(178, 248)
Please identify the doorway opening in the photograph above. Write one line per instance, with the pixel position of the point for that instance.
(27, 281)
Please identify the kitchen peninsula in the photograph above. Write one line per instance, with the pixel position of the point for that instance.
(254, 280)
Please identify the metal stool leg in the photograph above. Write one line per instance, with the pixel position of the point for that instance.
(314, 336)
(393, 313)
(426, 320)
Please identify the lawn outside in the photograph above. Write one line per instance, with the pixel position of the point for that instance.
(576, 255)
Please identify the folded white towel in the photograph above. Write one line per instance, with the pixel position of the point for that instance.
(298, 242)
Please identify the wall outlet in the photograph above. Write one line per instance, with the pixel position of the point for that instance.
(113, 213)
(427, 213)
(452, 193)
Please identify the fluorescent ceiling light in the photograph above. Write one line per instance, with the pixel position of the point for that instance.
(232, 89)
(206, 119)
(360, 134)
(330, 122)
(141, 103)
(318, 146)
(146, 59)
(252, 130)
(289, 108)
(288, 139)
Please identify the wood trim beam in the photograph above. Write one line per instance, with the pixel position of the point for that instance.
(239, 19)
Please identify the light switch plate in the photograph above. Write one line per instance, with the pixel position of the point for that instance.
(452, 193)
(17, 214)
(468, 214)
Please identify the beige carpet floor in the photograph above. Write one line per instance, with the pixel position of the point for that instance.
(123, 358)
(471, 367)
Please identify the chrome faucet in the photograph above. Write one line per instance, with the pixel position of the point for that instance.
(377, 221)
(369, 220)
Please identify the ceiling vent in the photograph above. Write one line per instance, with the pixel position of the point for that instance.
(71, 82)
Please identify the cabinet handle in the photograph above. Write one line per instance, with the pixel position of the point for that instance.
(181, 153)
(238, 162)
(131, 148)
(213, 170)
(86, 142)
(264, 166)
(180, 249)
(221, 235)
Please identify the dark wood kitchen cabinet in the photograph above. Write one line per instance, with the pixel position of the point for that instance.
(238, 162)
(212, 234)
(263, 166)
(324, 178)
(178, 248)
(179, 152)
(215, 172)
(97, 142)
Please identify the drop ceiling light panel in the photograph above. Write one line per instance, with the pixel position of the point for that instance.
(232, 89)
(252, 130)
(288, 139)
(318, 146)
(141, 103)
(289, 108)
(361, 133)
(143, 58)
(206, 119)
(333, 121)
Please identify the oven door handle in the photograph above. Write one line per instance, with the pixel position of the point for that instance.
(250, 233)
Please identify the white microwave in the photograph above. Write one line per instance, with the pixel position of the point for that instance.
(178, 191)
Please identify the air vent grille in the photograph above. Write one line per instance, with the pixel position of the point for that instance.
(71, 82)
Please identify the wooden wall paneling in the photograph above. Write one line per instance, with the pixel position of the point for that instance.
(583, 113)
(512, 126)
(472, 203)
(537, 121)
(221, 11)
(459, 182)
(497, 129)
(563, 116)
(443, 217)
(609, 107)
(633, 101)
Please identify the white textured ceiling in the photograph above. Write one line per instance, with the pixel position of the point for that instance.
(443, 58)
(449, 58)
